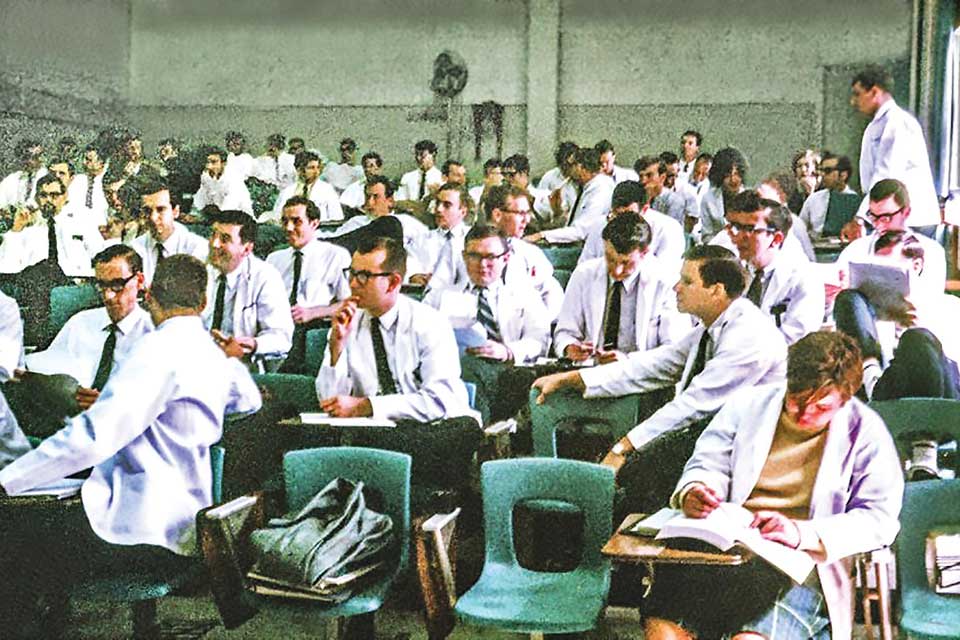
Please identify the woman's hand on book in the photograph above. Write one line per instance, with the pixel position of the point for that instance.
(777, 527)
(699, 501)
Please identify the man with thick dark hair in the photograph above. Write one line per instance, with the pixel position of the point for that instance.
(825, 211)
(727, 174)
(165, 237)
(308, 185)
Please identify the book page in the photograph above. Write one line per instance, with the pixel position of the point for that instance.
(327, 419)
(885, 285)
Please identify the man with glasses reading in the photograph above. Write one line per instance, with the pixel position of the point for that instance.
(785, 288)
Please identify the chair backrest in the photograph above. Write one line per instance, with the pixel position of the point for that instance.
(316, 345)
(217, 454)
(934, 416)
(927, 505)
(68, 300)
(307, 471)
(563, 256)
(586, 485)
(298, 390)
(471, 393)
(620, 413)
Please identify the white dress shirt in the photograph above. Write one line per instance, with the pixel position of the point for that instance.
(322, 195)
(413, 233)
(593, 204)
(321, 273)
(16, 191)
(670, 203)
(228, 192)
(409, 187)
(79, 344)
(78, 240)
(280, 171)
(422, 356)
(182, 240)
(745, 349)
(814, 210)
(893, 147)
(342, 175)
(11, 337)
(621, 174)
(240, 165)
(691, 199)
(712, 215)
(648, 308)
(667, 241)
(255, 305)
(442, 256)
(77, 197)
(551, 180)
(520, 315)
(528, 263)
(793, 295)
(147, 438)
(353, 195)
(934, 274)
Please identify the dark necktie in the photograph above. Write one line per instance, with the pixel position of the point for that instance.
(700, 361)
(385, 383)
(297, 266)
(306, 190)
(218, 306)
(160, 253)
(611, 330)
(423, 185)
(755, 293)
(28, 186)
(89, 199)
(106, 358)
(576, 203)
(52, 253)
(485, 316)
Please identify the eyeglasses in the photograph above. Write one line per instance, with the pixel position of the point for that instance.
(887, 217)
(115, 286)
(48, 194)
(737, 229)
(826, 170)
(507, 173)
(480, 257)
(363, 277)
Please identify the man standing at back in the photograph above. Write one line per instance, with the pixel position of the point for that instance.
(893, 147)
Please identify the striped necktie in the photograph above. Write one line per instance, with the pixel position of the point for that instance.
(485, 316)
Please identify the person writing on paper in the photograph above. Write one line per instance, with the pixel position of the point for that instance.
(820, 472)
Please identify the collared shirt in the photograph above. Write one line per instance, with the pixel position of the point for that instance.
(226, 192)
(353, 195)
(78, 240)
(321, 194)
(182, 240)
(934, 274)
(409, 187)
(256, 305)
(413, 233)
(78, 346)
(746, 349)
(280, 171)
(321, 272)
(15, 191)
(667, 240)
(77, 197)
(626, 325)
(147, 438)
(592, 205)
(529, 263)
(342, 175)
(814, 210)
(793, 295)
(13, 442)
(443, 257)
(239, 164)
(422, 355)
(670, 203)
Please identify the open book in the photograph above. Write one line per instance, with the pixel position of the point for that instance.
(327, 419)
(729, 525)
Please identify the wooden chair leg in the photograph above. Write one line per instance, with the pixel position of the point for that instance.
(145, 625)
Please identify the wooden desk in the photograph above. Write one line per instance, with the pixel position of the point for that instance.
(632, 549)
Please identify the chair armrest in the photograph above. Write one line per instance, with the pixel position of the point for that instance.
(496, 441)
(436, 567)
(223, 532)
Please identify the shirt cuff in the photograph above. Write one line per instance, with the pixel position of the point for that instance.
(809, 538)
(676, 500)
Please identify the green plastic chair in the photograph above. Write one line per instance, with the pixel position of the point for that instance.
(316, 345)
(68, 300)
(926, 505)
(563, 256)
(386, 472)
(618, 414)
(519, 600)
(141, 588)
(298, 390)
(905, 417)
(563, 276)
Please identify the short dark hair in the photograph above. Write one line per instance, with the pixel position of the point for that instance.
(484, 231)
(695, 134)
(589, 159)
(63, 160)
(490, 164)
(49, 178)
(349, 144)
(785, 180)
(627, 233)
(445, 169)
(180, 281)
(395, 258)
(128, 253)
(704, 156)
(94, 147)
(173, 142)
(372, 155)
(519, 162)
(248, 226)
(824, 358)
(465, 200)
(497, 197)
(388, 187)
(724, 162)
(313, 211)
(751, 202)
(628, 192)
(604, 146)
(645, 161)
(425, 145)
(874, 76)
(303, 158)
(843, 162)
(234, 135)
(296, 140)
(215, 151)
(22, 150)
(156, 185)
(277, 140)
(669, 157)
(564, 151)
(889, 187)
(718, 264)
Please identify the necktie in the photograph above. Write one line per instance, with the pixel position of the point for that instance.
(445, 259)
(576, 203)
(106, 358)
(306, 190)
(385, 384)
(297, 266)
(52, 253)
(700, 361)
(611, 329)
(27, 186)
(160, 253)
(755, 293)
(423, 185)
(88, 201)
(485, 316)
(277, 160)
(218, 306)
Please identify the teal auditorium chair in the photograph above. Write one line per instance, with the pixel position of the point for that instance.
(563, 256)
(927, 505)
(68, 300)
(512, 598)
(910, 419)
(385, 473)
(613, 415)
(142, 589)
(298, 390)
(316, 345)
